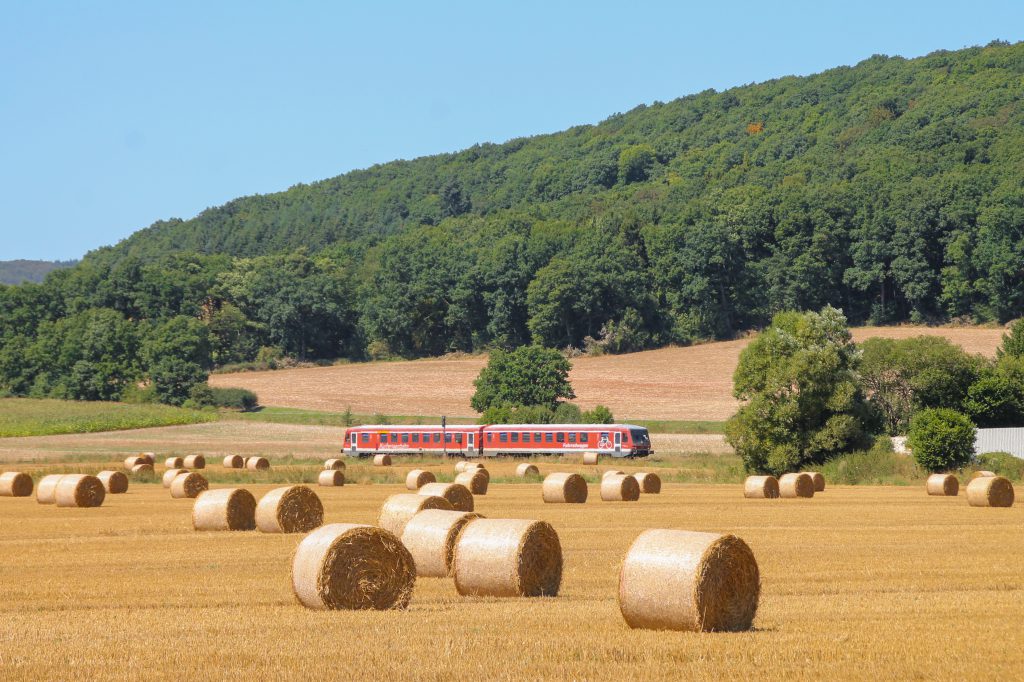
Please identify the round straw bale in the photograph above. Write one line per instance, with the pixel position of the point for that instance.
(417, 478)
(170, 475)
(234, 462)
(143, 470)
(430, 537)
(334, 464)
(757, 487)
(331, 477)
(382, 460)
(349, 566)
(476, 480)
(457, 494)
(982, 474)
(590, 458)
(990, 491)
(80, 490)
(133, 461)
(650, 484)
(796, 485)
(943, 484)
(563, 487)
(292, 509)
(46, 491)
(188, 485)
(683, 580)
(508, 558)
(15, 484)
(257, 463)
(148, 457)
(398, 509)
(527, 470)
(195, 462)
(620, 488)
(175, 462)
(612, 472)
(460, 466)
(817, 479)
(114, 482)
(224, 509)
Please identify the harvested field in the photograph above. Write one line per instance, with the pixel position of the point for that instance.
(693, 383)
(860, 584)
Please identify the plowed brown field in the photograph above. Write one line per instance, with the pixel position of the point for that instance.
(671, 383)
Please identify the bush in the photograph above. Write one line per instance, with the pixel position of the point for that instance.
(271, 356)
(522, 414)
(567, 413)
(599, 415)
(941, 439)
(877, 466)
(993, 401)
(204, 395)
(1001, 463)
(1013, 341)
(528, 375)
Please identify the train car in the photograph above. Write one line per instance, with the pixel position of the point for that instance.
(616, 440)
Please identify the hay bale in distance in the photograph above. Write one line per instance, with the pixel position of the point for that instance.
(650, 484)
(170, 475)
(175, 462)
(257, 463)
(758, 487)
(15, 484)
(188, 485)
(620, 488)
(612, 472)
(817, 479)
(148, 457)
(457, 494)
(354, 567)
(796, 485)
(331, 477)
(417, 478)
(195, 462)
(590, 458)
(135, 460)
(114, 482)
(476, 480)
(80, 490)
(564, 487)
(292, 509)
(399, 509)
(682, 580)
(430, 537)
(945, 485)
(224, 509)
(982, 474)
(527, 470)
(990, 491)
(382, 460)
(508, 558)
(234, 462)
(46, 491)
(334, 464)
(142, 470)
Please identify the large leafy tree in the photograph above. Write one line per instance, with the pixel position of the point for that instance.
(526, 376)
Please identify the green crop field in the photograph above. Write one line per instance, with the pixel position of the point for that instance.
(28, 417)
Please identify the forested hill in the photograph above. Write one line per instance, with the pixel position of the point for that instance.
(892, 189)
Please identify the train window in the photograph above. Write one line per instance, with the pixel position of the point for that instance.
(604, 435)
(503, 437)
(490, 437)
(365, 437)
(405, 437)
(549, 437)
(458, 437)
(526, 438)
(437, 437)
(560, 437)
(572, 437)
(583, 437)
(447, 438)
(537, 437)
(515, 437)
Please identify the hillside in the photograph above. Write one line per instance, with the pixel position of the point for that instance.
(18, 271)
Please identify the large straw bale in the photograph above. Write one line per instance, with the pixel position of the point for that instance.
(150, 457)
(114, 482)
(195, 462)
(331, 477)
(990, 491)
(46, 491)
(175, 462)
(758, 487)
(457, 494)
(982, 474)
(234, 462)
(508, 558)
(590, 458)
(526, 470)
(292, 509)
(224, 509)
(417, 478)
(15, 484)
(382, 460)
(170, 475)
(399, 509)
(334, 464)
(683, 580)
(188, 485)
(650, 484)
(620, 488)
(430, 537)
(356, 567)
(946, 485)
(796, 485)
(463, 465)
(80, 490)
(564, 487)
(817, 479)
(476, 480)
(612, 472)
(257, 463)
(142, 470)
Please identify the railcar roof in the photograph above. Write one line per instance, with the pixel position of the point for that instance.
(528, 427)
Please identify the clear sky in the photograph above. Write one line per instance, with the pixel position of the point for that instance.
(117, 114)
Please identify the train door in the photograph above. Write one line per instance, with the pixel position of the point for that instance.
(618, 443)
(470, 440)
(354, 445)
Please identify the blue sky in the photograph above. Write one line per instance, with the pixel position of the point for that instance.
(117, 114)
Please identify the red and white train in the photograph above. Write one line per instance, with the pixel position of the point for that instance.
(492, 440)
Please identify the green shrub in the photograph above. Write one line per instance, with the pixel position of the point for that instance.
(941, 439)
(994, 400)
(877, 466)
(1002, 463)
(204, 395)
(599, 415)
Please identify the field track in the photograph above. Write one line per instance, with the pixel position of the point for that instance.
(692, 383)
(858, 583)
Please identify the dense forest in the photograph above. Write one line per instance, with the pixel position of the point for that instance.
(891, 189)
(18, 271)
